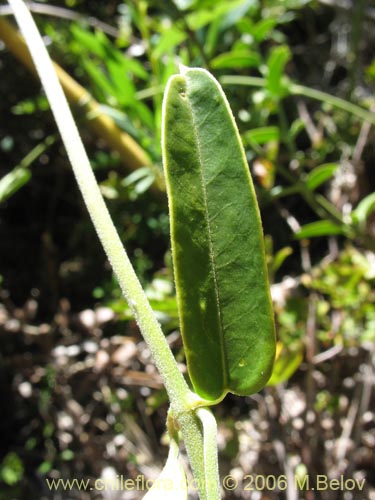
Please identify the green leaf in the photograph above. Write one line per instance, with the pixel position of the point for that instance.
(275, 69)
(87, 40)
(263, 28)
(122, 85)
(320, 175)
(168, 40)
(319, 228)
(135, 67)
(12, 182)
(236, 13)
(199, 18)
(142, 179)
(280, 257)
(121, 119)
(217, 243)
(287, 362)
(236, 59)
(103, 85)
(171, 484)
(262, 135)
(364, 208)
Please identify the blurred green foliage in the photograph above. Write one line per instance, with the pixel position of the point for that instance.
(346, 306)
(11, 469)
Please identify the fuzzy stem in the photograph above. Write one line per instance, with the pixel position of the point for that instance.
(183, 401)
(211, 465)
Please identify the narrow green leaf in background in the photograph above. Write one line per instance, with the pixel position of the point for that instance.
(319, 228)
(280, 257)
(201, 17)
(217, 242)
(320, 175)
(263, 28)
(13, 181)
(364, 209)
(262, 135)
(286, 363)
(236, 59)
(275, 69)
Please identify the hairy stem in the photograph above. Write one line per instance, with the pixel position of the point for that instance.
(183, 401)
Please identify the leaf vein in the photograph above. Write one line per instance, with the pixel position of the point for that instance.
(211, 246)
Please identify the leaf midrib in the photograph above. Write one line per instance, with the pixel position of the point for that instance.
(211, 250)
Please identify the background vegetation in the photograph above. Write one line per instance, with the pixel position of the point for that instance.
(81, 397)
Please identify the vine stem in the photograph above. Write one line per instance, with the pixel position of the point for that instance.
(211, 465)
(199, 433)
(178, 391)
